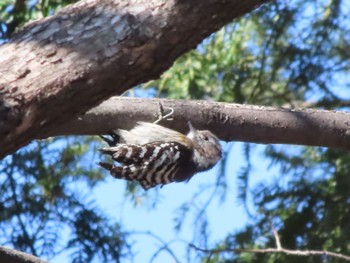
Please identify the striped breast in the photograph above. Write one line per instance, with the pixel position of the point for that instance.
(151, 164)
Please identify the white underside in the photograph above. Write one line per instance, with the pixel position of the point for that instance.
(146, 132)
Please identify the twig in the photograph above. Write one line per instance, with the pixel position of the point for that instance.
(164, 247)
(275, 250)
(274, 231)
(278, 249)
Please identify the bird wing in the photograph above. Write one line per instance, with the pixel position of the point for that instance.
(151, 164)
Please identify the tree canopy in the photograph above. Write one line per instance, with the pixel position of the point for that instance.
(291, 54)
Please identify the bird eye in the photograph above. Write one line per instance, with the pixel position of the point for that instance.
(206, 138)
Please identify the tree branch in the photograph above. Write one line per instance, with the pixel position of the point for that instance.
(63, 65)
(230, 122)
(275, 250)
(278, 249)
(15, 256)
(165, 245)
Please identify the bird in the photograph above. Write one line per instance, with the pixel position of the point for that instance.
(155, 155)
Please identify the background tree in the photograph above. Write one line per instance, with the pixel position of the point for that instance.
(285, 54)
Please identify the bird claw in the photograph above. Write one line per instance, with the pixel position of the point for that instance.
(163, 116)
(111, 142)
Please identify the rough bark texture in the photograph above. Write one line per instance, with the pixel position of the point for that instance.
(65, 64)
(228, 121)
(14, 256)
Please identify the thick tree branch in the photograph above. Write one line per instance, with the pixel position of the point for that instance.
(231, 122)
(14, 256)
(63, 65)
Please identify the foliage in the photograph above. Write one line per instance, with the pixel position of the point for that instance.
(287, 53)
(40, 203)
(279, 55)
(14, 14)
(310, 209)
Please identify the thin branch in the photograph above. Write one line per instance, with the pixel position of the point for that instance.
(274, 231)
(276, 236)
(164, 247)
(278, 249)
(275, 250)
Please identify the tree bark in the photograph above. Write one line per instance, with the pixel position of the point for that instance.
(230, 122)
(63, 65)
(14, 256)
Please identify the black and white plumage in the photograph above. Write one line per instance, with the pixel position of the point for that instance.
(154, 155)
